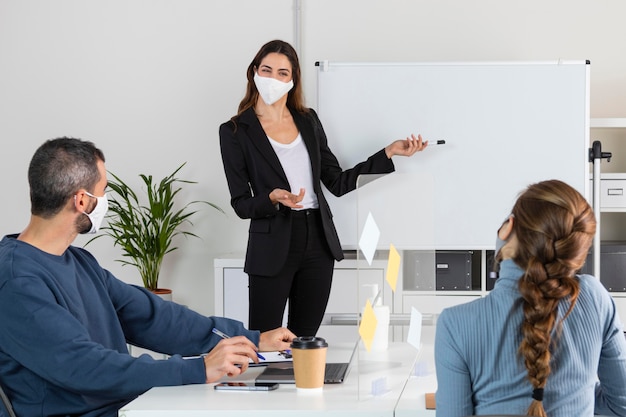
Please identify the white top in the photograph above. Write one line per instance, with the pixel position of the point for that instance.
(296, 163)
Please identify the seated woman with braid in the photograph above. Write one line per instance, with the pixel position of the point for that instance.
(545, 341)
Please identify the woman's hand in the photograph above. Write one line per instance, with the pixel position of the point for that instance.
(277, 339)
(286, 198)
(406, 147)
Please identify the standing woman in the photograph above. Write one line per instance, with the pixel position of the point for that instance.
(545, 341)
(276, 156)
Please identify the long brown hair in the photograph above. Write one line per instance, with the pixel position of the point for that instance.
(554, 226)
(295, 97)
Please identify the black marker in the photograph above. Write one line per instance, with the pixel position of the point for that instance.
(440, 142)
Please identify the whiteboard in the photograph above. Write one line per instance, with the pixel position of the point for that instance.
(506, 125)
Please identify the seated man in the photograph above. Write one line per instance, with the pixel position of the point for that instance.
(66, 320)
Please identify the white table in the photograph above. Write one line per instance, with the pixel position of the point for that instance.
(354, 397)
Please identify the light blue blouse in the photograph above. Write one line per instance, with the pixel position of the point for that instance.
(480, 372)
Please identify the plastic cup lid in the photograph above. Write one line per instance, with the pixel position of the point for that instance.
(308, 342)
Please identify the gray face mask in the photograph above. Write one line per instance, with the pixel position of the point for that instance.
(500, 242)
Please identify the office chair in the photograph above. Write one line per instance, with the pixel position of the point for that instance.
(6, 409)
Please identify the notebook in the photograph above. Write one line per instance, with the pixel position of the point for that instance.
(282, 372)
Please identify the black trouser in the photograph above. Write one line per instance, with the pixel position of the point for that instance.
(305, 281)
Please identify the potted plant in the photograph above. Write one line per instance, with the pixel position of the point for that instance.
(145, 230)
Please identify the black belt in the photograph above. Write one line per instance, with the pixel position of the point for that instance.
(305, 212)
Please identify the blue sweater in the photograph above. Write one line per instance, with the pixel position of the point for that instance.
(480, 372)
(64, 325)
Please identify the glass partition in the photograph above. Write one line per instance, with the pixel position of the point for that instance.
(395, 224)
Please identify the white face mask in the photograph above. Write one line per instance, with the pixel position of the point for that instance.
(271, 89)
(97, 214)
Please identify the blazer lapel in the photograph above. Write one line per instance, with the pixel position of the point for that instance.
(259, 140)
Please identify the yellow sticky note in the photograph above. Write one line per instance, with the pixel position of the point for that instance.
(393, 267)
(368, 325)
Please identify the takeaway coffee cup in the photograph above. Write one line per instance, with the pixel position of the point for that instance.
(309, 361)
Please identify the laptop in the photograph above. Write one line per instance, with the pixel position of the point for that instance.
(282, 372)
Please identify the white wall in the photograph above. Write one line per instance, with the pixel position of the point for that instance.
(149, 81)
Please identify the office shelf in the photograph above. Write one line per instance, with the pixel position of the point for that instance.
(615, 122)
(612, 206)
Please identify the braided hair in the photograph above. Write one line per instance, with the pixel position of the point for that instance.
(554, 226)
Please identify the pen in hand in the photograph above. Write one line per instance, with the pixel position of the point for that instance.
(225, 336)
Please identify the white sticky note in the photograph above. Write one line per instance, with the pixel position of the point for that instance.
(415, 329)
(369, 238)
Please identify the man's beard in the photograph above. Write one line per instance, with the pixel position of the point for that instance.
(83, 223)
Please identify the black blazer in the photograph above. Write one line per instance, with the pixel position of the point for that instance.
(253, 170)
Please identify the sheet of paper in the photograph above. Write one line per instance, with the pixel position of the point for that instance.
(415, 329)
(367, 328)
(272, 357)
(369, 238)
(393, 267)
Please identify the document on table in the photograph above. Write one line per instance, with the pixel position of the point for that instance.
(270, 357)
(273, 357)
